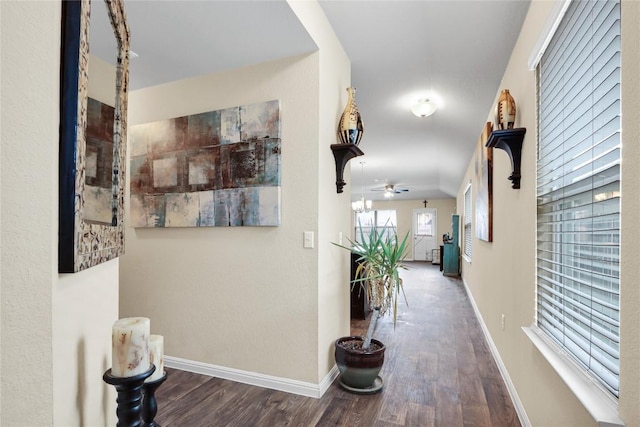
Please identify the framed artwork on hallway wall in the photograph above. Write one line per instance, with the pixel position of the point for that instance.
(484, 186)
(214, 169)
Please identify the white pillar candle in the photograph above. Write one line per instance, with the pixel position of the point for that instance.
(156, 356)
(130, 351)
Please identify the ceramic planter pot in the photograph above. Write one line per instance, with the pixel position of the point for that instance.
(359, 370)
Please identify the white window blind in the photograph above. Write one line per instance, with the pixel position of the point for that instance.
(467, 222)
(578, 188)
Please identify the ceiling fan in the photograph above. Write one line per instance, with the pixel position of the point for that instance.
(391, 189)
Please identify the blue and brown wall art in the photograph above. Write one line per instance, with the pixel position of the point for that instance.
(214, 169)
(98, 190)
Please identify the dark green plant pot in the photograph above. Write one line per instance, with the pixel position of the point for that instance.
(359, 370)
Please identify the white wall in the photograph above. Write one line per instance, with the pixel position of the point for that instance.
(501, 275)
(29, 141)
(241, 297)
(630, 269)
(51, 369)
(404, 213)
(334, 76)
(85, 306)
(102, 80)
(219, 293)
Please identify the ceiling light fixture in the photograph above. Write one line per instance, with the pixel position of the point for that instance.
(362, 205)
(423, 108)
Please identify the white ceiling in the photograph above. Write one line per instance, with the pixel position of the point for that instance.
(179, 39)
(452, 51)
(400, 51)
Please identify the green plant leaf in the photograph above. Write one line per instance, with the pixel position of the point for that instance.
(380, 256)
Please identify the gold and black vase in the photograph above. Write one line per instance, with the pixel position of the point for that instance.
(350, 127)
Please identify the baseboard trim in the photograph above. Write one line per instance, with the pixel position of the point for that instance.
(252, 378)
(517, 403)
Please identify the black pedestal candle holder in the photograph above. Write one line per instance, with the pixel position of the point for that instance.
(129, 396)
(149, 404)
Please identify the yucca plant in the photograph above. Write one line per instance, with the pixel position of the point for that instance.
(380, 257)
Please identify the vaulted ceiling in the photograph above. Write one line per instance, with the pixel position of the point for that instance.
(453, 52)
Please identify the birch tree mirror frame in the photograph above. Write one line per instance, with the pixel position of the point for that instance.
(81, 243)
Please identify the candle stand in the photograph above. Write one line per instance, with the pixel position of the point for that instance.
(149, 404)
(129, 396)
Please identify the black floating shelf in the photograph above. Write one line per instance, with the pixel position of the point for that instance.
(342, 154)
(510, 140)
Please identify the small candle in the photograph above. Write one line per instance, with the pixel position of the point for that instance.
(130, 346)
(156, 356)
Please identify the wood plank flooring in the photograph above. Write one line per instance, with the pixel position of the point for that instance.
(438, 371)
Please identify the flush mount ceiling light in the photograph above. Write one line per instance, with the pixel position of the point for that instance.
(388, 191)
(423, 108)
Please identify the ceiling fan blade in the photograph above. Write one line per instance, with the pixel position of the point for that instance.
(390, 188)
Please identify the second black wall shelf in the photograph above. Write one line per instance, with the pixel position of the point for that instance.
(510, 140)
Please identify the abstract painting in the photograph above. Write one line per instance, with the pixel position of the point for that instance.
(215, 169)
(484, 186)
(98, 191)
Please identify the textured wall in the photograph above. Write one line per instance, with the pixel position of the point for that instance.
(30, 44)
(85, 305)
(334, 76)
(54, 345)
(630, 270)
(220, 294)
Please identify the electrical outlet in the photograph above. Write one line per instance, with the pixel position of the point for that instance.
(502, 322)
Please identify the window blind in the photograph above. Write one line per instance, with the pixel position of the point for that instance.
(467, 222)
(578, 188)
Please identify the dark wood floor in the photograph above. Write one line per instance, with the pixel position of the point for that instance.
(438, 371)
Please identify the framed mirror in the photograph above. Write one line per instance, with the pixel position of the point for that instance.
(92, 140)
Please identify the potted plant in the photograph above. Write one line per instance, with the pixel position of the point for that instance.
(380, 257)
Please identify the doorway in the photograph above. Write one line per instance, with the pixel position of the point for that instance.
(425, 227)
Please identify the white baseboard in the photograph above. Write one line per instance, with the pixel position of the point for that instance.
(517, 403)
(252, 378)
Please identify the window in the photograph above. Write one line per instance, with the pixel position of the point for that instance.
(578, 188)
(467, 222)
(383, 220)
(424, 222)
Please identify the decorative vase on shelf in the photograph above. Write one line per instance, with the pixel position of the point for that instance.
(505, 111)
(350, 127)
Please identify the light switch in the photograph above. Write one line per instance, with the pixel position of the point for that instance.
(308, 239)
(340, 238)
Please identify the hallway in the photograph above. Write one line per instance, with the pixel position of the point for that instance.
(438, 371)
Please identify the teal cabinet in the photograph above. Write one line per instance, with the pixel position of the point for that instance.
(451, 258)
